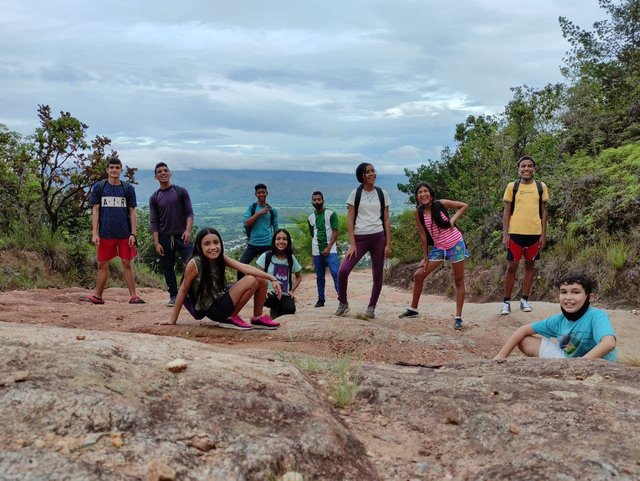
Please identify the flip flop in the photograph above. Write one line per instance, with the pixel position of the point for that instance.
(93, 299)
(136, 300)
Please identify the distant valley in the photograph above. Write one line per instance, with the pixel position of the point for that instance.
(220, 197)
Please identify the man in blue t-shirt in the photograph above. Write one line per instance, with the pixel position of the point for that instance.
(171, 219)
(260, 222)
(580, 331)
(114, 229)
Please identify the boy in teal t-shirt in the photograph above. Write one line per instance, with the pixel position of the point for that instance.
(579, 331)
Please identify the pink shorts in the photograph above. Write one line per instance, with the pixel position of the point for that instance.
(110, 248)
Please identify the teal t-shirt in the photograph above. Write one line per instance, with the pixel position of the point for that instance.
(576, 338)
(280, 270)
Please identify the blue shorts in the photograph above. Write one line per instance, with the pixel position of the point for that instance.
(453, 254)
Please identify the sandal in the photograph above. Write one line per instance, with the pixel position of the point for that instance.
(136, 300)
(93, 299)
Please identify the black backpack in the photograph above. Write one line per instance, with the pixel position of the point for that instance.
(516, 186)
(99, 189)
(267, 261)
(247, 228)
(424, 226)
(356, 204)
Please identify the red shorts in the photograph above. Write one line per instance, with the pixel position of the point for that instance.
(110, 248)
(527, 246)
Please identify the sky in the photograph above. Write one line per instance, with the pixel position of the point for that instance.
(279, 84)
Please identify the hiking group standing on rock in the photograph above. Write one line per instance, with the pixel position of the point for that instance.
(579, 331)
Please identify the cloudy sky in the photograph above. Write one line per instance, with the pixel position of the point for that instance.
(280, 84)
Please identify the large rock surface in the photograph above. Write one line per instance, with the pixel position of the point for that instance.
(106, 407)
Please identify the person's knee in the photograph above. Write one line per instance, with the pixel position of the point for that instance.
(126, 264)
(512, 267)
(530, 265)
(103, 266)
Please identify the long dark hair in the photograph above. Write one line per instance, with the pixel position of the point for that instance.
(206, 276)
(287, 252)
(436, 208)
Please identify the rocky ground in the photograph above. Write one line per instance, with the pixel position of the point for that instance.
(85, 394)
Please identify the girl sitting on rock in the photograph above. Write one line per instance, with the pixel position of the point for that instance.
(203, 290)
(281, 263)
(438, 228)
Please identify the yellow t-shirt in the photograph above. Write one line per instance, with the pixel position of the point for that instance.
(525, 219)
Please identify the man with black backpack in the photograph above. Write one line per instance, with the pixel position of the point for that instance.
(114, 229)
(260, 223)
(524, 221)
(171, 220)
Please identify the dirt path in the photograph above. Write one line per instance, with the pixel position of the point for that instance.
(312, 331)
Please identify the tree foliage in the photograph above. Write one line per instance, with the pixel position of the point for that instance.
(603, 102)
(67, 165)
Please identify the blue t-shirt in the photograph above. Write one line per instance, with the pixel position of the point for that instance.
(114, 206)
(261, 231)
(279, 269)
(576, 338)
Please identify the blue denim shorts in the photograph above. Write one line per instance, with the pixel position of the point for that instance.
(453, 254)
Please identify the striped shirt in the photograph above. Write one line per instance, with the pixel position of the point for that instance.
(442, 238)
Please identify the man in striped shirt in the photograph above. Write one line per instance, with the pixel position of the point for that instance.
(323, 227)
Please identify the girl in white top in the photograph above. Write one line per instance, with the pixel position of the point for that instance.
(369, 231)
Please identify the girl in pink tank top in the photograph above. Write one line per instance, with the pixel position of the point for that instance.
(437, 228)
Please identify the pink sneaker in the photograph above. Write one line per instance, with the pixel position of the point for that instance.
(264, 322)
(235, 322)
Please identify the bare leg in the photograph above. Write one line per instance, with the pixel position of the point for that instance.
(529, 275)
(458, 278)
(103, 276)
(129, 276)
(241, 292)
(259, 297)
(530, 346)
(510, 278)
(418, 281)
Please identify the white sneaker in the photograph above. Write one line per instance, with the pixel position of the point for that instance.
(525, 306)
(506, 308)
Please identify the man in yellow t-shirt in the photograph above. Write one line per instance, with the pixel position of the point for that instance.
(524, 228)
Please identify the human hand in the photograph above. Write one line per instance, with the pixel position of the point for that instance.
(505, 242)
(387, 251)
(186, 237)
(326, 251)
(132, 240)
(543, 242)
(351, 251)
(265, 210)
(277, 288)
(159, 248)
(95, 239)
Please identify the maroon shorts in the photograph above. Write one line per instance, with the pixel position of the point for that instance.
(527, 246)
(110, 248)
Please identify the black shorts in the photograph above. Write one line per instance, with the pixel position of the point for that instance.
(220, 310)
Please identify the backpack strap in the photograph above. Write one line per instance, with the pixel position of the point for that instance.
(356, 204)
(516, 186)
(267, 261)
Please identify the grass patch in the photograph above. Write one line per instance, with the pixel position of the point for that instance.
(617, 254)
(633, 361)
(343, 382)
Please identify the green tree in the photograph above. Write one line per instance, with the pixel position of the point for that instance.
(603, 102)
(66, 165)
(19, 193)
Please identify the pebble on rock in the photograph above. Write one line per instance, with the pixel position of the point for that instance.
(159, 471)
(20, 376)
(177, 365)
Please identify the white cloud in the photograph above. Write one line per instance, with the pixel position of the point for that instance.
(285, 84)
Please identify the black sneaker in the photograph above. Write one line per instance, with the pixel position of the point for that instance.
(172, 301)
(319, 303)
(409, 313)
(457, 323)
